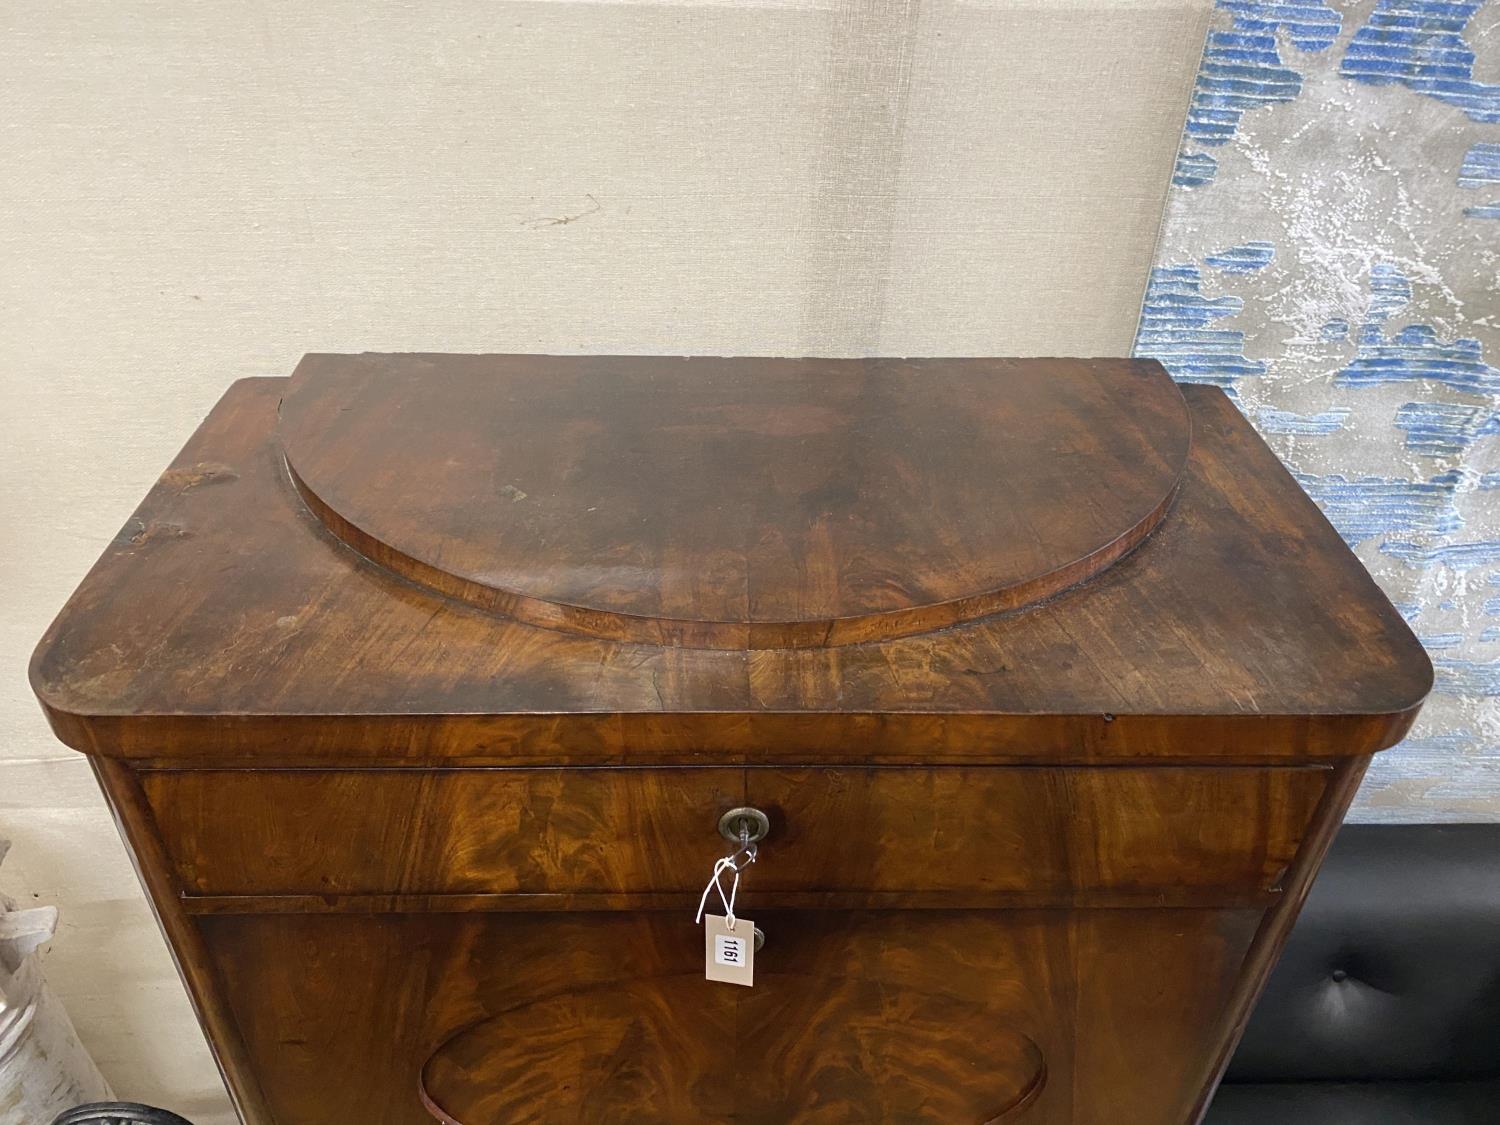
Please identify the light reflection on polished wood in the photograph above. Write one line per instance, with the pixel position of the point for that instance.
(225, 627)
(737, 503)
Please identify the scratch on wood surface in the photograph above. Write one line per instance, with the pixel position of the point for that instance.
(204, 472)
(139, 532)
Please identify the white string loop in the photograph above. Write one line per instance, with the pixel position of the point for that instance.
(728, 863)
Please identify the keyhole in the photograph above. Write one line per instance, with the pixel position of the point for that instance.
(744, 826)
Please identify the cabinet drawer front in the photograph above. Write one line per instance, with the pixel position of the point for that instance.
(332, 832)
(1017, 830)
(1048, 833)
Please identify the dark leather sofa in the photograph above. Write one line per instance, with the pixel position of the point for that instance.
(1385, 1007)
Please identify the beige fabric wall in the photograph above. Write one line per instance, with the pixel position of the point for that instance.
(198, 192)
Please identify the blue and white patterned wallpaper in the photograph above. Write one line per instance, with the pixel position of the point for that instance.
(1331, 257)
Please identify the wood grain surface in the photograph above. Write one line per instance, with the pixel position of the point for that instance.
(681, 1049)
(737, 503)
(342, 1013)
(1053, 833)
(1033, 865)
(225, 624)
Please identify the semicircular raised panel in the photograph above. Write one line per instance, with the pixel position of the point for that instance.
(737, 503)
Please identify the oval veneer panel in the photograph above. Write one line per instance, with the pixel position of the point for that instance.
(793, 1048)
(737, 503)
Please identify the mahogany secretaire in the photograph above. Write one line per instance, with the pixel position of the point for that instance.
(420, 686)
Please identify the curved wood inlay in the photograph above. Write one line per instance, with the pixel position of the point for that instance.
(680, 1049)
(737, 504)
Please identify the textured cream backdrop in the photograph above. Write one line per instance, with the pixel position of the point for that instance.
(198, 192)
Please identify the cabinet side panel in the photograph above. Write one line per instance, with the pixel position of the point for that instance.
(1153, 990)
(1278, 921)
(133, 818)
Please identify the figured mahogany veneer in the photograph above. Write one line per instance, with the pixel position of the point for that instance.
(985, 830)
(795, 1048)
(418, 685)
(736, 503)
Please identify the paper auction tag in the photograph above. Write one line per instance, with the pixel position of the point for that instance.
(729, 954)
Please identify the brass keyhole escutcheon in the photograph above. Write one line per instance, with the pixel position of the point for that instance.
(744, 825)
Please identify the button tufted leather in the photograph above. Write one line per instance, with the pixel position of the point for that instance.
(1385, 1006)
(1346, 1103)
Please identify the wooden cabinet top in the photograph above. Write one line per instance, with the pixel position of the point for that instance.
(737, 503)
(407, 559)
